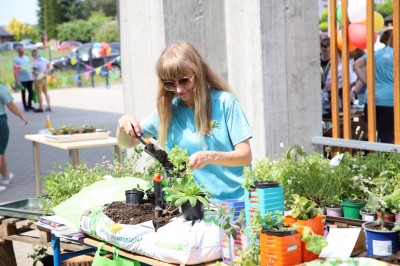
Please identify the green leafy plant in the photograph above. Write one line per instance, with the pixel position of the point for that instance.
(303, 208)
(185, 188)
(263, 171)
(223, 220)
(315, 243)
(38, 254)
(313, 177)
(67, 180)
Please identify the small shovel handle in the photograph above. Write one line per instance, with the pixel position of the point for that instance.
(139, 137)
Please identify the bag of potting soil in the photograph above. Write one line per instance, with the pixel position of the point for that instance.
(177, 242)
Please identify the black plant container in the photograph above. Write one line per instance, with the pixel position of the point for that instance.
(134, 196)
(267, 185)
(280, 233)
(151, 197)
(193, 213)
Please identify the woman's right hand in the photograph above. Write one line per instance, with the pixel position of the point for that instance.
(126, 123)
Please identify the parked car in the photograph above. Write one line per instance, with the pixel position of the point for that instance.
(28, 44)
(9, 46)
(82, 54)
(69, 45)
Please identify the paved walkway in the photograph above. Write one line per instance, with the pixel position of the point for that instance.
(76, 106)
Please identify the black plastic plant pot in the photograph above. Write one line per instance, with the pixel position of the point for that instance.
(193, 213)
(134, 196)
(267, 185)
(151, 198)
(277, 232)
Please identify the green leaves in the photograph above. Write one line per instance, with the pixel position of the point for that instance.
(302, 208)
(185, 188)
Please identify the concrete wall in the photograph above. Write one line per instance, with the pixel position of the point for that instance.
(268, 50)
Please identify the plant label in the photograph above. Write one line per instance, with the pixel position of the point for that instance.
(342, 242)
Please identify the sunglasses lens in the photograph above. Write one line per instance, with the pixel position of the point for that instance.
(169, 86)
(183, 81)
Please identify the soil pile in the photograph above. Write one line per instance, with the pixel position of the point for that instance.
(122, 213)
(160, 155)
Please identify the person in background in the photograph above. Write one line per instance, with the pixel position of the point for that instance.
(383, 89)
(23, 76)
(41, 68)
(325, 59)
(360, 88)
(196, 112)
(6, 100)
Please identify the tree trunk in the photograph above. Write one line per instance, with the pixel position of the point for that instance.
(7, 255)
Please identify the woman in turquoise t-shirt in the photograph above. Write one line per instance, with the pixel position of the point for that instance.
(6, 100)
(384, 100)
(196, 112)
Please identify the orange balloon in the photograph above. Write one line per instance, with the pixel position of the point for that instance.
(339, 41)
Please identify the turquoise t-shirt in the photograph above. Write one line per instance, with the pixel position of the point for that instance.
(24, 66)
(383, 76)
(5, 98)
(229, 127)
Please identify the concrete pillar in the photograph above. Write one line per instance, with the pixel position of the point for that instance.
(268, 50)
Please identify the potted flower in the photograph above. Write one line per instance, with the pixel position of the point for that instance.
(185, 192)
(88, 129)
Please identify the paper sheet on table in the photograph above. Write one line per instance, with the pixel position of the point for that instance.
(99, 193)
(341, 242)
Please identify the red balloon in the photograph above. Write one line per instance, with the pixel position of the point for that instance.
(358, 35)
(339, 41)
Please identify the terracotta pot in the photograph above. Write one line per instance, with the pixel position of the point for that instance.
(389, 217)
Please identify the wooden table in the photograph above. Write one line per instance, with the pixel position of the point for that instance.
(73, 149)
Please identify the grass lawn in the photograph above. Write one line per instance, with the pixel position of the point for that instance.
(58, 79)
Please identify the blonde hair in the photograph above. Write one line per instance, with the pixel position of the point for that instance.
(178, 60)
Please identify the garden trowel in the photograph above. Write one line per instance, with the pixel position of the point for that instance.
(160, 155)
(158, 196)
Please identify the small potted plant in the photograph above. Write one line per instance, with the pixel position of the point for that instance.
(393, 203)
(260, 175)
(134, 195)
(305, 213)
(185, 192)
(88, 129)
(333, 207)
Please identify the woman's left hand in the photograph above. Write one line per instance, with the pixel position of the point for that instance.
(199, 159)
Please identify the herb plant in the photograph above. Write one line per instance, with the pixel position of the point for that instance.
(263, 171)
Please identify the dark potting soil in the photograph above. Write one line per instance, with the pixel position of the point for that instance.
(120, 212)
(160, 155)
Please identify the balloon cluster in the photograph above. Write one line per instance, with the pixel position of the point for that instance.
(357, 29)
(101, 49)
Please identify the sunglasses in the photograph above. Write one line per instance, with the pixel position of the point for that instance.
(170, 85)
(324, 46)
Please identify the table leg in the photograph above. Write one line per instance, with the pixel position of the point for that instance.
(55, 244)
(74, 156)
(36, 164)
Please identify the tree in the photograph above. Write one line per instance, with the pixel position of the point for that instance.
(82, 30)
(385, 9)
(51, 18)
(108, 7)
(21, 30)
(108, 32)
(40, 15)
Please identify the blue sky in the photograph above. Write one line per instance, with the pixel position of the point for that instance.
(23, 10)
